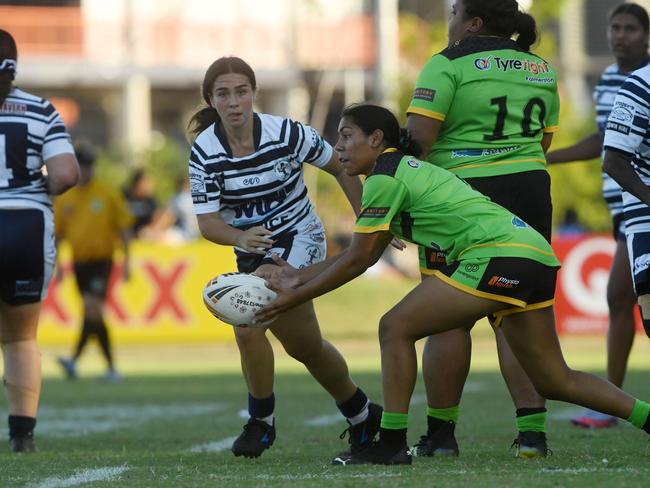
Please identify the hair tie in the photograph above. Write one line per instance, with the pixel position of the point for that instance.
(8, 66)
(405, 138)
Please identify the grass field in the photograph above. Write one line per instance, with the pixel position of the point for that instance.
(173, 418)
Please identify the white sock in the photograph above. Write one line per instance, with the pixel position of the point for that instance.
(361, 416)
(268, 420)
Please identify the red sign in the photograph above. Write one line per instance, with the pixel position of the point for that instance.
(581, 294)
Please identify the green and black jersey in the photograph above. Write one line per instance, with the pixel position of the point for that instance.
(495, 102)
(430, 206)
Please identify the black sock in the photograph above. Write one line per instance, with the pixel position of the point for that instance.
(104, 341)
(393, 436)
(433, 424)
(522, 412)
(353, 405)
(258, 408)
(20, 426)
(86, 332)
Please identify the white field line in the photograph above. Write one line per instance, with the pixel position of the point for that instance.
(82, 477)
(328, 475)
(216, 446)
(82, 421)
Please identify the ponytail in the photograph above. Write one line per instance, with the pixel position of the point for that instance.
(527, 29)
(407, 145)
(203, 119)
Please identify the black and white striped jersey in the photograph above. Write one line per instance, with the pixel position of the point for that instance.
(627, 127)
(604, 94)
(31, 132)
(264, 188)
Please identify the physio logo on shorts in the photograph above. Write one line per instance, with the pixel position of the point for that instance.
(641, 263)
(502, 282)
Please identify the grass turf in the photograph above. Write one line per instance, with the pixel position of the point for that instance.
(158, 429)
(172, 419)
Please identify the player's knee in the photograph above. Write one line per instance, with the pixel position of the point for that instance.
(388, 328)
(248, 337)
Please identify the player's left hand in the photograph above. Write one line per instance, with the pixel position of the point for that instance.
(285, 299)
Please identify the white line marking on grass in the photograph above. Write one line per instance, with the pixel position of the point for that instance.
(216, 446)
(82, 421)
(83, 477)
(565, 413)
(323, 420)
(243, 414)
(327, 475)
(474, 386)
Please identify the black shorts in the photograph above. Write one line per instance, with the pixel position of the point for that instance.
(527, 195)
(92, 277)
(523, 283)
(24, 273)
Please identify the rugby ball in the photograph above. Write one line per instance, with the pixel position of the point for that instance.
(235, 297)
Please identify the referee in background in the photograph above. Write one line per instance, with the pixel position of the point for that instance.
(93, 219)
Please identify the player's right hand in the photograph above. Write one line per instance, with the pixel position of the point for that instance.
(256, 240)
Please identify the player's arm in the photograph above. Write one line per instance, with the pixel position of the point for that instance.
(62, 173)
(423, 130)
(618, 165)
(364, 251)
(351, 185)
(255, 240)
(583, 150)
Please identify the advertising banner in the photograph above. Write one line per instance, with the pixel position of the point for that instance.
(161, 302)
(581, 294)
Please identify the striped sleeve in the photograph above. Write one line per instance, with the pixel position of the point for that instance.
(205, 189)
(627, 124)
(311, 147)
(56, 140)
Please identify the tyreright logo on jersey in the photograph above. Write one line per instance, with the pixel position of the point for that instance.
(505, 64)
(483, 64)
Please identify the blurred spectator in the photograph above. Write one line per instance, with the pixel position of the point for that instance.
(92, 217)
(179, 219)
(570, 225)
(142, 204)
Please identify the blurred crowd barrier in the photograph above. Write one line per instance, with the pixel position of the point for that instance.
(161, 302)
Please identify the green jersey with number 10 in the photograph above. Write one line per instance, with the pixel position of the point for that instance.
(495, 102)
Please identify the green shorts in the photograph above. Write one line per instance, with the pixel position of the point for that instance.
(524, 283)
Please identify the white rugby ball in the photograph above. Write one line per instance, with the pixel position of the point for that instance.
(235, 297)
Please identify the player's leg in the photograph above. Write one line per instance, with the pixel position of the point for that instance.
(530, 405)
(257, 363)
(22, 371)
(527, 195)
(621, 301)
(27, 260)
(533, 339)
(94, 300)
(445, 364)
(434, 306)
(299, 332)
(83, 272)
